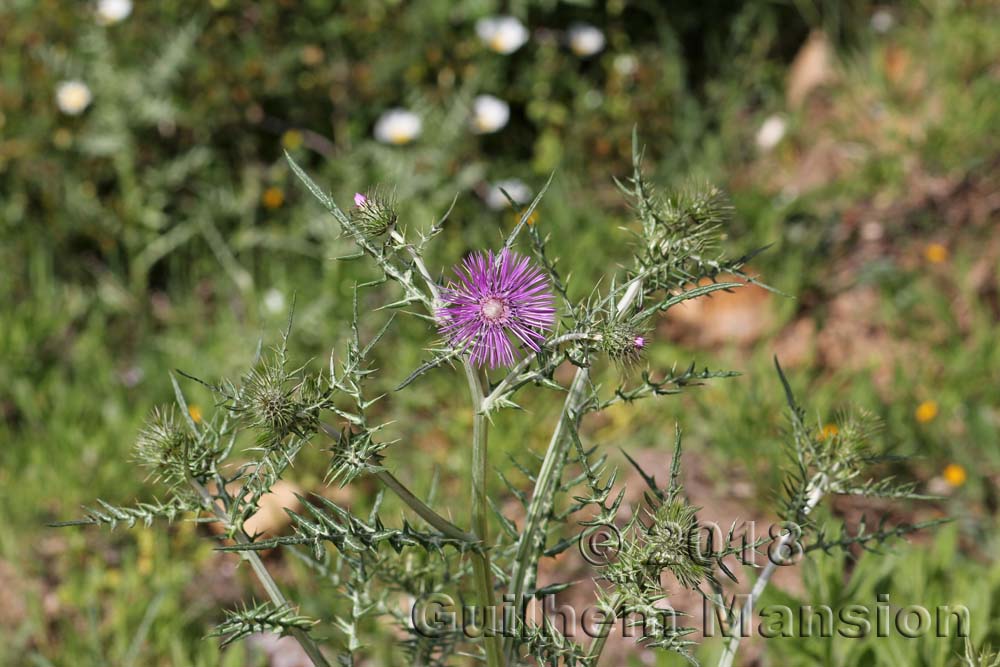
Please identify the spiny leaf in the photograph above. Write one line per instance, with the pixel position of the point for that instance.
(263, 617)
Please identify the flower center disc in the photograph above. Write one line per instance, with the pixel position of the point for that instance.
(493, 309)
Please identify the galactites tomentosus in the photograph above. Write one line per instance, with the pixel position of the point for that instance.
(163, 445)
(499, 311)
(685, 233)
(623, 341)
(681, 232)
(374, 212)
(496, 298)
(693, 214)
(276, 402)
(665, 538)
(672, 543)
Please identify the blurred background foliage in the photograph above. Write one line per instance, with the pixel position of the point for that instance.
(159, 227)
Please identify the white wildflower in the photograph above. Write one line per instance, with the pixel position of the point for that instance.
(489, 114)
(585, 40)
(882, 20)
(132, 376)
(113, 11)
(72, 97)
(274, 301)
(626, 64)
(771, 132)
(398, 126)
(503, 34)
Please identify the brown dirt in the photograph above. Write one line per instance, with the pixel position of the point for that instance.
(739, 317)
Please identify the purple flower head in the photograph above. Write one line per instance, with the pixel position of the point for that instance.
(639, 342)
(360, 199)
(496, 297)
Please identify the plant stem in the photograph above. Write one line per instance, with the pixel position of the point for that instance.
(480, 527)
(416, 504)
(514, 373)
(304, 640)
(597, 646)
(418, 262)
(818, 485)
(263, 576)
(526, 558)
(426, 513)
(522, 574)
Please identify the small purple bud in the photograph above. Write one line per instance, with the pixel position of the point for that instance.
(373, 213)
(623, 341)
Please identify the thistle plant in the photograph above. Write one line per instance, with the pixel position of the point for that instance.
(508, 321)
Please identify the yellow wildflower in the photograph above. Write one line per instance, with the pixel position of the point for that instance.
(532, 219)
(926, 411)
(936, 253)
(273, 197)
(828, 431)
(954, 474)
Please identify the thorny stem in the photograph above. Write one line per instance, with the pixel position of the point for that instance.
(597, 645)
(260, 570)
(525, 560)
(418, 262)
(481, 559)
(415, 503)
(480, 529)
(426, 513)
(522, 574)
(512, 376)
(819, 485)
(256, 564)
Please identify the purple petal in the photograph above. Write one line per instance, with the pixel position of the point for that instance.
(507, 277)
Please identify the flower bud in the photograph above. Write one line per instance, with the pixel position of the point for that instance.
(672, 544)
(164, 445)
(268, 404)
(373, 213)
(624, 342)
